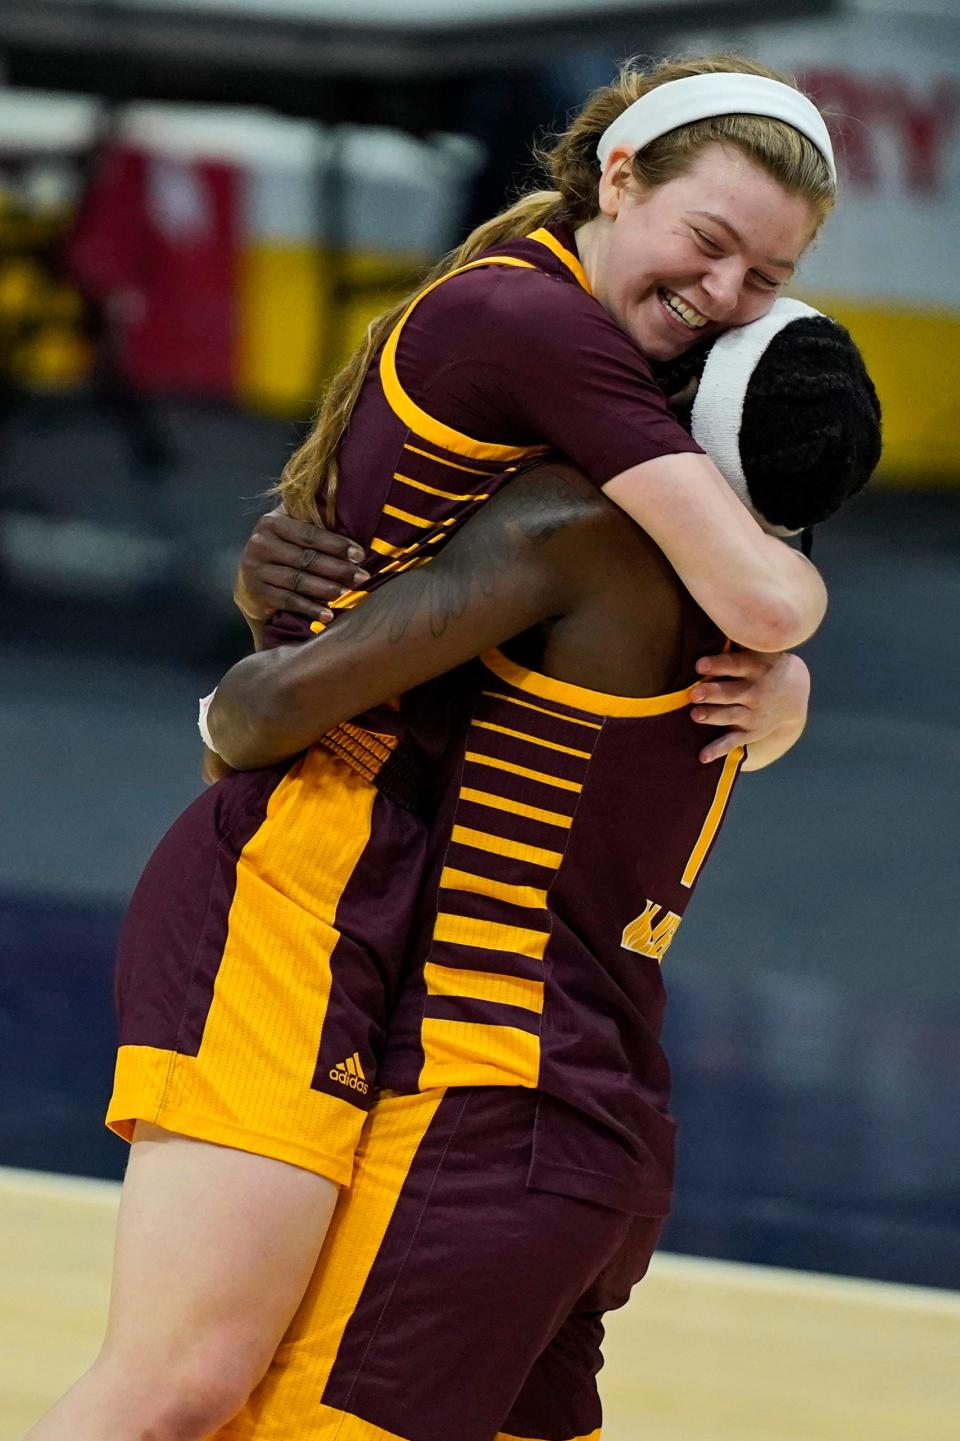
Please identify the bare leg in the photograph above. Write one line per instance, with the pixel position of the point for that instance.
(214, 1251)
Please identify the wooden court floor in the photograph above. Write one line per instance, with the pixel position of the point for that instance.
(705, 1351)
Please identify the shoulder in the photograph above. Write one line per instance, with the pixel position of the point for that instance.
(521, 305)
(551, 515)
(501, 284)
(549, 498)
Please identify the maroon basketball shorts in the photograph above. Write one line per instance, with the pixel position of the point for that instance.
(258, 959)
(451, 1302)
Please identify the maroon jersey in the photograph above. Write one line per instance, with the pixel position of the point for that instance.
(306, 859)
(572, 832)
(504, 359)
(489, 368)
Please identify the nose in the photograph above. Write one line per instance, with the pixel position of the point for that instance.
(722, 284)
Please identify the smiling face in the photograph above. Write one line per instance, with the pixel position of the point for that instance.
(681, 262)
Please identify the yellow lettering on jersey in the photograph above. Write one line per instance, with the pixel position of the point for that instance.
(652, 931)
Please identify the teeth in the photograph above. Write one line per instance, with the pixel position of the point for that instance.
(687, 314)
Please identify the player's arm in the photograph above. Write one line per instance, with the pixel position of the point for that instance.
(565, 371)
(757, 590)
(519, 561)
(760, 700)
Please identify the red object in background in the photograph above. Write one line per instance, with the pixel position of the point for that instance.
(155, 246)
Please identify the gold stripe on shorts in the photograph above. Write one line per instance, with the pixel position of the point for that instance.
(287, 1403)
(250, 1084)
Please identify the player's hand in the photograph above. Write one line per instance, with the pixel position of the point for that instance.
(291, 565)
(756, 697)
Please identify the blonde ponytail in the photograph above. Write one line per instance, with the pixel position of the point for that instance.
(317, 456)
(570, 164)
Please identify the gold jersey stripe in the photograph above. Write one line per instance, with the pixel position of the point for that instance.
(342, 602)
(470, 1053)
(594, 702)
(453, 464)
(348, 601)
(714, 816)
(483, 986)
(528, 705)
(502, 846)
(393, 566)
(417, 551)
(433, 490)
(525, 771)
(419, 421)
(565, 256)
(405, 515)
(533, 739)
(412, 562)
(500, 803)
(490, 936)
(454, 880)
(383, 547)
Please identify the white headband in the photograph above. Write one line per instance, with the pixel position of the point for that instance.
(699, 97)
(718, 407)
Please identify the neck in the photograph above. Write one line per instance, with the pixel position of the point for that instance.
(589, 238)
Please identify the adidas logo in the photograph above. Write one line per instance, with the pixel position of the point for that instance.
(349, 1073)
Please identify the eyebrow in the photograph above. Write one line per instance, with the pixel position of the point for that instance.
(737, 238)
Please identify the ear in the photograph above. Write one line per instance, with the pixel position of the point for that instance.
(613, 180)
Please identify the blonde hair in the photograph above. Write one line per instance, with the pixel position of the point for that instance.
(571, 165)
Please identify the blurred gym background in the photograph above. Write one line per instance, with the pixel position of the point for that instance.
(202, 202)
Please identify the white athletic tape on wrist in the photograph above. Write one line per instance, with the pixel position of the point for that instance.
(202, 726)
(717, 413)
(701, 97)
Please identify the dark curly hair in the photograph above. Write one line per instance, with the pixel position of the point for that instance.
(810, 436)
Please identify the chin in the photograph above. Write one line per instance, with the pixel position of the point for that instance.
(658, 344)
(661, 347)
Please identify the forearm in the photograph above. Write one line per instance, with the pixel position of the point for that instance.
(492, 581)
(252, 719)
(760, 592)
(277, 702)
